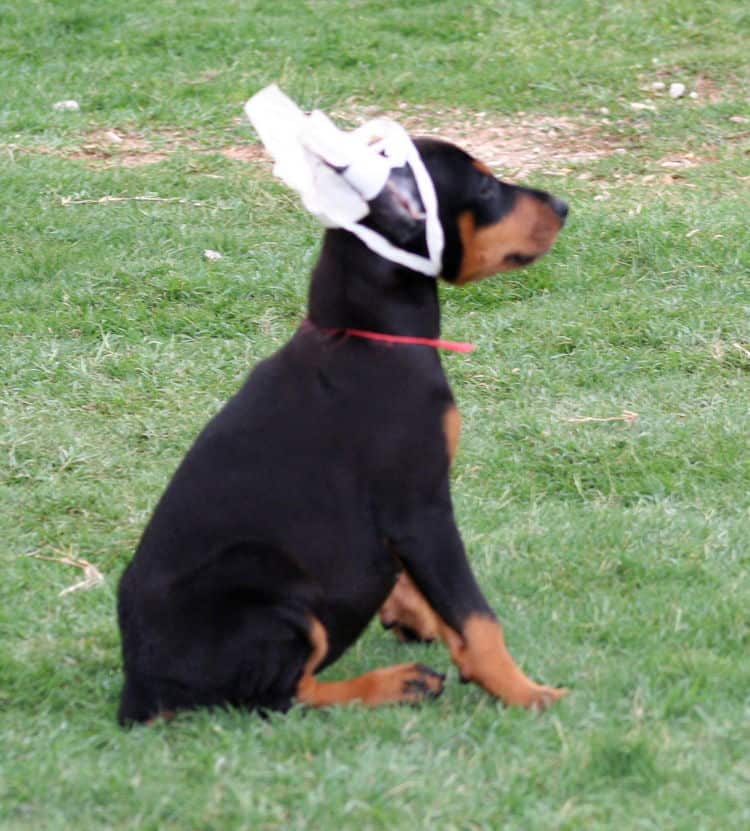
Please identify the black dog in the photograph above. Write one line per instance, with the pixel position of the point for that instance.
(320, 492)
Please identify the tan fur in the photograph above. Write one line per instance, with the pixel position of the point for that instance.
(404, 683)
(452, 430)
(528, 229)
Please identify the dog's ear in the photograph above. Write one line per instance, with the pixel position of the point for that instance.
(397, 211)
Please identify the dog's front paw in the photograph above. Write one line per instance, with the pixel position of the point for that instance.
(523, 692)
(538, 697)
(481, 656)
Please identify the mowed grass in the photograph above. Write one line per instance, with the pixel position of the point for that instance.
(616, 552)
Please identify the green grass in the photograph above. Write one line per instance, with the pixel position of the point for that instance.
(616, 552)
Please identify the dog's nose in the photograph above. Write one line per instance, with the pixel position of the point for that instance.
(559, 207)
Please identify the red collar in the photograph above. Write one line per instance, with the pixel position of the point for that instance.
(437, 343)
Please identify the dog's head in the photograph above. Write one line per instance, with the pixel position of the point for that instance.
(489, 225)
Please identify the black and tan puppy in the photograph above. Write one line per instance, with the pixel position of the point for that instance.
(320, 493)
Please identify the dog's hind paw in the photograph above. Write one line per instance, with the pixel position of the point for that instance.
(400, 684)
(405, 684)
(425, 684)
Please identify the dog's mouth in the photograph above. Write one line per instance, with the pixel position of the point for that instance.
(518, 260)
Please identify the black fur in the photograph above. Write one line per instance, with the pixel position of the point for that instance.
(293, 497)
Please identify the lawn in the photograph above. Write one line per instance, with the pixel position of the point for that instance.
(602, 483)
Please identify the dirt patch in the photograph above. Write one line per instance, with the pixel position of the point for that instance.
(699, 87)
(245, 153)
(512, 145)
(685, 161)
(120, 148)
(708, 89)
(114, 147)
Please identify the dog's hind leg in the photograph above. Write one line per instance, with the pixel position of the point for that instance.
(400, 684)
(231, 632)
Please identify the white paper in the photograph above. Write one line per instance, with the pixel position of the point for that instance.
(336, 173)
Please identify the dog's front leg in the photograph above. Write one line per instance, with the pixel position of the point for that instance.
(433, 557)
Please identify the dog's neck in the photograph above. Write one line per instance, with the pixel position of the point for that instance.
(354, 287)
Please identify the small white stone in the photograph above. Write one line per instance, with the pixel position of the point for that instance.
(638, 106)
(676, 90)
(658, 86)
(693, 95)
(604, 110)
(211, 255)
(67, 105)
(739, 119)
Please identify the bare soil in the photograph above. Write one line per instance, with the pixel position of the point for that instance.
(513, 146)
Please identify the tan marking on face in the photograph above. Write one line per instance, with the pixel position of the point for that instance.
(529, 230)
(452, 430)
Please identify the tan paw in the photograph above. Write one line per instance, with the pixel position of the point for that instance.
(408, 684)
(536, 697)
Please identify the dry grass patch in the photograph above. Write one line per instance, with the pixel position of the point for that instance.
(513, 145)
(121, 148)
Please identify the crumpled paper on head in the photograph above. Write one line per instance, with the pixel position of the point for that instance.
(337, 173)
